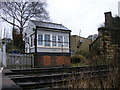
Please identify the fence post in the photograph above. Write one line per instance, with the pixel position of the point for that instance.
(32, 59)
(4, 54)
(0, 57)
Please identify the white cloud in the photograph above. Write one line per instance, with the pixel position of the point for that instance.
(86, 15)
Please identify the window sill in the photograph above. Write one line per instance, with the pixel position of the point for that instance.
(53, 47)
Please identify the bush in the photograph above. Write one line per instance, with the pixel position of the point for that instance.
(77, 59)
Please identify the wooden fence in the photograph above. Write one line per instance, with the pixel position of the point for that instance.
(19, 61)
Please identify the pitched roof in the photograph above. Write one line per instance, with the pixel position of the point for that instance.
(49, 25)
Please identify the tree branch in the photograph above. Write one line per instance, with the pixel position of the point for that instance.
(9, 22)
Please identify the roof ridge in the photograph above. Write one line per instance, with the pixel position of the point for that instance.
(46, 22)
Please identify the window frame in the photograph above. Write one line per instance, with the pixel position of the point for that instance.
(66, 41)
(42, 43)
(47, 40)
(54, 41)
(60, 41)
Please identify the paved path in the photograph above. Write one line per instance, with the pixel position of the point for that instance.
(1, 78)
(7, 83)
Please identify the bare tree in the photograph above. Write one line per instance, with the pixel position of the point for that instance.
(18, 13)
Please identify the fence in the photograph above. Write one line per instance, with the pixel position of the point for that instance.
(20, 61)
(0, 58)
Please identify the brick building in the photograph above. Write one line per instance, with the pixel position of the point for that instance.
(50, 42)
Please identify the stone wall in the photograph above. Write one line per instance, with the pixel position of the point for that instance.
(110, 39)
(107, 48)
(108, 42)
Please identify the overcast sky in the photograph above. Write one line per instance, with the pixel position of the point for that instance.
(84, 15)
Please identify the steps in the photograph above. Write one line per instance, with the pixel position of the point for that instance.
(52, 77)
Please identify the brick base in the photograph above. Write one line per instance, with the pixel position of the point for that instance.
(52, 61)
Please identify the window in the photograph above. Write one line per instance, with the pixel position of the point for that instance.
(60, 41)
(40, 39)
(53, 40)
(47, 40)
(66, 41)
(32, 40)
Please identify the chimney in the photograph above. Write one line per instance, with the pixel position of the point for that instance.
(108, 19)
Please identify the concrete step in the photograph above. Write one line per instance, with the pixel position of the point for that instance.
(41, 71)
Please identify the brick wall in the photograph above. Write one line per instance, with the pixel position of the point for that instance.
(52, 60)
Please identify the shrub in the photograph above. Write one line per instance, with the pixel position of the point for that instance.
(77, 58)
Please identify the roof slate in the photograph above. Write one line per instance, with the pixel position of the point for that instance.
(49, 25)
